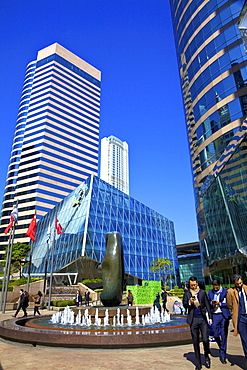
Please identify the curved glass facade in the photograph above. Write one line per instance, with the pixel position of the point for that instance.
(91, 211)
(223, 213)
(213, 70)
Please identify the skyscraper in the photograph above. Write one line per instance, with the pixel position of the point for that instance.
(114, 163)
(56, 139)
(213, 72)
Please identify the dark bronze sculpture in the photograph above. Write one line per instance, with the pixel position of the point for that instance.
(112, 271)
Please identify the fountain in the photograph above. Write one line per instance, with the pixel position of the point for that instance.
(151, 318)
(112, 326)
(100, 327)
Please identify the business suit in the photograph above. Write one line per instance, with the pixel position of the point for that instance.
(87, 294)
(239, 320)
(164, 299)
(22, 305)
(198, 324)
(221, 317)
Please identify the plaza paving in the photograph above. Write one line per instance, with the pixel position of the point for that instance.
(18, 355)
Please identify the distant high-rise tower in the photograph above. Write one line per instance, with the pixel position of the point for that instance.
(56, 140)
(114, 163)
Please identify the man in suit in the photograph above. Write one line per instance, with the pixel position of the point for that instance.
(21, 304)
(196, 302)
(164, 299)
(221, 317)
(87, 294)
(237, 304)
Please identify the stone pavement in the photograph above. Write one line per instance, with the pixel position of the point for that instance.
(18, 355)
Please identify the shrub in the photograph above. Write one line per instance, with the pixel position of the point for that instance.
(19, 282)
(146, 293)
(10, 288)
(67, 302)
(86, 281)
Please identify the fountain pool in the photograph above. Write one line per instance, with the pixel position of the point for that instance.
(119, 327)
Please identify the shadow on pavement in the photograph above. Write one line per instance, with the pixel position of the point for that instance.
(237, 360)
(233, 360)
(190, 356)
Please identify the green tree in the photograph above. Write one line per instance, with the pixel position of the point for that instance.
(162, 267)
(19, 254)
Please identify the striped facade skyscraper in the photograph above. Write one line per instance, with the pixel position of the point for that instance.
(114, 163)
(213, 73)
(56, 139)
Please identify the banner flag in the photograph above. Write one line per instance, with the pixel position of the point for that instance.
(58, 227)
(13, 218)
(32, 229)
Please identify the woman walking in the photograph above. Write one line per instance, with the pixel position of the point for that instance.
(37, 303)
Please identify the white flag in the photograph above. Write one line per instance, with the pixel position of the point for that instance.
(48, 234)
(14, 213)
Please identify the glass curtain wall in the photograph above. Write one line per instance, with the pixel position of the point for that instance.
(94, 209)
(213, 72)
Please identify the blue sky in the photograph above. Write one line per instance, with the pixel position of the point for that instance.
(131, 42)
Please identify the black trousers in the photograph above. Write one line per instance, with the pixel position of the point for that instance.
(23, 309)
(36, 310)
(199, 325)
(164, 305)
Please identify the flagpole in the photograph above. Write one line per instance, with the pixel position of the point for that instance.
(52, 262)
(45, 278)
(29, 266)
(7, 268)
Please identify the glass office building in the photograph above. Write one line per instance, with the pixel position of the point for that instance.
(56, 141)
(91, 211)
(189, 260)
(213, 72)
(223, 213)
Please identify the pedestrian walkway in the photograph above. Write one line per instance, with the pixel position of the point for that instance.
(18, 355)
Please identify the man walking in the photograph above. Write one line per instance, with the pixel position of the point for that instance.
(87, 294)
(221, 317)
(21, 304)
(164, 299)
(237, 304)
(196, 302)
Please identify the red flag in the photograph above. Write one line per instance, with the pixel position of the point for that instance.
(32, 229)
(58, 227)
(11, 223)
(13, 218)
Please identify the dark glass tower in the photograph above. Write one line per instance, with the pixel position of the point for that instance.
(213, 70)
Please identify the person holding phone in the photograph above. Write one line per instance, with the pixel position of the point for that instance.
(195, 300)
(237, 304)
(221, 316)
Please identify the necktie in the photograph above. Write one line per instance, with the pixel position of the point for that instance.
(242, 302)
